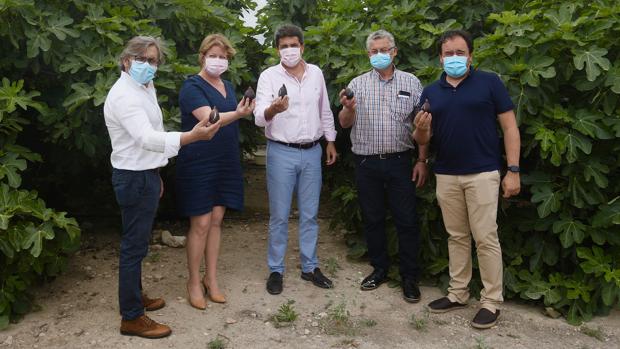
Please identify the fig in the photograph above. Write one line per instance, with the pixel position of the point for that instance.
(249, 93)
(282, 91)
(348, 93)
(426, 107)
(214, 116)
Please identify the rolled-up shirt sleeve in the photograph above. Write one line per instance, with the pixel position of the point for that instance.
(133, 118)
(327, 117)
(173, 144)
(264, 98)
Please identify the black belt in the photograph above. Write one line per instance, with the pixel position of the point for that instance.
(299, 145)
(386, 156)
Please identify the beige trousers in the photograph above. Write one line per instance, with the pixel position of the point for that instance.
(469, 207)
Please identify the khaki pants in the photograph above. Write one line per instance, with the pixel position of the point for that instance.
(469, 207)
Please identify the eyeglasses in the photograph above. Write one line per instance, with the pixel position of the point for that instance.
(151, 61)
(382, 50)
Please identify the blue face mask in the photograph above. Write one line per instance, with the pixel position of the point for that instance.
(142, 72)
(455, 66)
(380, 60)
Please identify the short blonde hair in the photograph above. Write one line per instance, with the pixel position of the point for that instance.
(215, 40)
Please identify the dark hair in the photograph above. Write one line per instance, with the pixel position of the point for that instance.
(450, 34)
(288, 30)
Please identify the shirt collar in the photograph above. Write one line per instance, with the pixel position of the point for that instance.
(443, 82)
(283, 69)
(126, 77)
(378, 76)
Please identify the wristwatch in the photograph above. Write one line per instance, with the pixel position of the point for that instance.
(513, 168)
(422, 160)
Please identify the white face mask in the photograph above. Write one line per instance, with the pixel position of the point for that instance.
(215, 66)
(290, 56)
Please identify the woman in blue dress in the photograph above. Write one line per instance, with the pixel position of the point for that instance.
(208, 178)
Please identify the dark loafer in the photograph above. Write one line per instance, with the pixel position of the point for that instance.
(274, 283)
(485, 318)
(411, 291)
(443, 305)
(317, 278)
(374, 280)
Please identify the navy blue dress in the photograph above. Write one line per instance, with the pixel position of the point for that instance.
(208, 173)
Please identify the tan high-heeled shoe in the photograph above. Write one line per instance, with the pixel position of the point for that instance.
(200, 304)
(217, 298)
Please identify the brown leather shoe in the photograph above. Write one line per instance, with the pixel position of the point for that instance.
(144, 327)
(152, 304)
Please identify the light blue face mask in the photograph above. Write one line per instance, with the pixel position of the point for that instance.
(142, 72)
(380, 60)
(455, 66)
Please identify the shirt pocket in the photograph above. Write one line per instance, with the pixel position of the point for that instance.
(312, 97)
(402, 107)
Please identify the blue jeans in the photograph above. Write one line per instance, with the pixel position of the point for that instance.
(289, 170)
(377, 179)
(137, 194)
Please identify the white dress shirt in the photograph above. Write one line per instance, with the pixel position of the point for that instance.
(308, 116)
(136, 128)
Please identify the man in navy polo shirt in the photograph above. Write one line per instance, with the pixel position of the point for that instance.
(465, 106)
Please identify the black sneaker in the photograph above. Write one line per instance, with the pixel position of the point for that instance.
(374, 280)
(317, 278)
(411, 291)
(274, 283)
(485, 318)
(443, 305)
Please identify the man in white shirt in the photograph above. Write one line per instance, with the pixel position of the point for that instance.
(140, 146)
(293, 106)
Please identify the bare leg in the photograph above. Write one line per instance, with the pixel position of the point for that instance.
(212, 250)
(196, 242)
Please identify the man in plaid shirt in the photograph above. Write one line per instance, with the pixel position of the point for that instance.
(380, 114)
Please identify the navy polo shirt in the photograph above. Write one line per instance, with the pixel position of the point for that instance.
(464, 125)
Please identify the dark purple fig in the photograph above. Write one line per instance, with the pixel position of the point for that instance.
(214, 116)
(348, 93)
(282, 91)
(249, 93)
(426, 107)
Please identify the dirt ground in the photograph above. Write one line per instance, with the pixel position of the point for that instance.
(79, 309)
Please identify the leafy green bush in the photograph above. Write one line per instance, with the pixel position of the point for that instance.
(561, 64)
(67, 52)
(34, 240)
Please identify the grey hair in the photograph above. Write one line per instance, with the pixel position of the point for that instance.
(380, 34)
(138, 46)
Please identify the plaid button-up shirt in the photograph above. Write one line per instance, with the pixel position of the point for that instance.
(384, 112)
